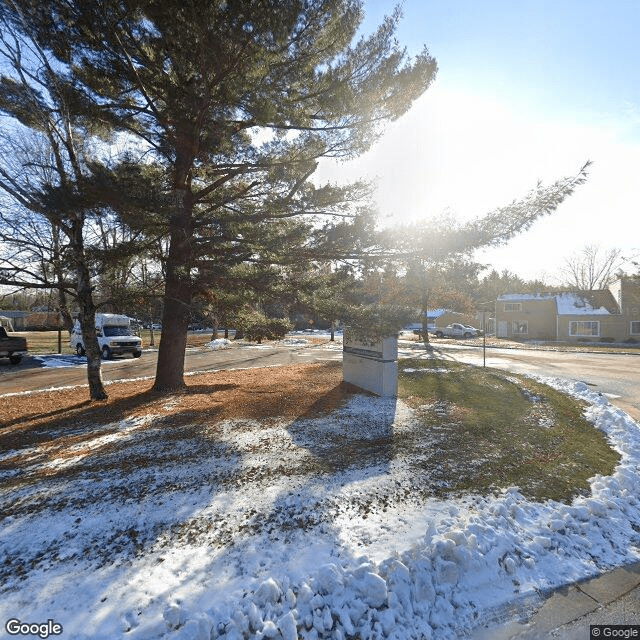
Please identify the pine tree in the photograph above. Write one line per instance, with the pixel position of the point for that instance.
(237, 100)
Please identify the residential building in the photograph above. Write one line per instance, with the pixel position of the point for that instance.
(526, 316)
(626, 291)
(17, 318)
(607, 315)
(439, 318)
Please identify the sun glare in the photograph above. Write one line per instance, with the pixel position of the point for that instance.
(467, 155)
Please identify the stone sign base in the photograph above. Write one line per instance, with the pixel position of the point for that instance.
(380, 378)
(371, 365)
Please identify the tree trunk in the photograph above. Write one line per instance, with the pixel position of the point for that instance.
(177, 299)
(92, 349)
(175, 321)
(88, 318)
(62, 296)
(67, 320)
(425, 312)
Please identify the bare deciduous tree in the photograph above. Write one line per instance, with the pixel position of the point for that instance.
(592, 268)
(43, 181)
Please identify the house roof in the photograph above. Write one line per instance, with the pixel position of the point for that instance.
(590, 303)
(526, 296)
(570, 303)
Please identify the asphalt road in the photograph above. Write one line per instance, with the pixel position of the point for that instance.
(615, 375)
(32, 375)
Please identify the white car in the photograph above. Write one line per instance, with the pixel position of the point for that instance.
(456, 330)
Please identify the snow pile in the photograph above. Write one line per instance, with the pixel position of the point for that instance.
(219, 343)
(322, 555)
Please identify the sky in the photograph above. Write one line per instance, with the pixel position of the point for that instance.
(525, 91)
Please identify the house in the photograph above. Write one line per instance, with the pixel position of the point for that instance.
(606, 315)
(42, 321)
(17, 318)
(439, 318)
(626, 291)
(527, 316)
(30, 321)
(589, 316)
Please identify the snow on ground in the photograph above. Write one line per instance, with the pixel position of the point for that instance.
(62, 361)
(255, 551)
(219, 343)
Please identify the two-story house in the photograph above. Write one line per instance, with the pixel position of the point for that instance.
(611, 314)
(626, 291)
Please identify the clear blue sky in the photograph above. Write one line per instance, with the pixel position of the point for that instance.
(561, 57)
(526, 90)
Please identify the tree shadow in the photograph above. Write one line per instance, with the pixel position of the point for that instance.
(84, 417)
(160, 484)
(346, 428)
(114, 478)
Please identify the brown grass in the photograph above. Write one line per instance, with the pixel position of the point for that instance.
(286, 392)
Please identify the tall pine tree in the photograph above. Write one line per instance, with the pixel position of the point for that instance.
(238, 100)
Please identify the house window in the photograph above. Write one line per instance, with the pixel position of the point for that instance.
(519, 328)
(584, 328)
(635, 327)
(513, 306)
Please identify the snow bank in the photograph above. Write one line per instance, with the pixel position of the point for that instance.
(486, 552)
(460, 561)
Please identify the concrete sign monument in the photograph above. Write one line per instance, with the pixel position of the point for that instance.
(371, 363)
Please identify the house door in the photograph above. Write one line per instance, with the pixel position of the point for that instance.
(502, 331)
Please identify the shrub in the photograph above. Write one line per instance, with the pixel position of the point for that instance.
(256, 326)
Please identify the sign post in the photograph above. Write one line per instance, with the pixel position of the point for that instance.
(371, 363)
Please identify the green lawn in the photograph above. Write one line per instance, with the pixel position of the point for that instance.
(492, 429)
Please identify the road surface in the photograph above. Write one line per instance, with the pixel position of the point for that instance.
(616, 375)
(32, 375)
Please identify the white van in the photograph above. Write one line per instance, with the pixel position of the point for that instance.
(114, 334)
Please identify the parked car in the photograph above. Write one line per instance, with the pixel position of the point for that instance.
(478, 332)
(457, 330)
(12, 347)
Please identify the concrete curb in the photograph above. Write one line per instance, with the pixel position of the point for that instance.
(567, 612)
